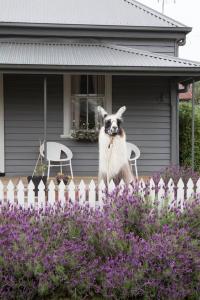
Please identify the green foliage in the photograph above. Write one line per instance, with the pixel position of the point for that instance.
(197, 92)
(185, 113)
(85, 135)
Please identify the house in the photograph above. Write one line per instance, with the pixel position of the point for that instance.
(60, 59)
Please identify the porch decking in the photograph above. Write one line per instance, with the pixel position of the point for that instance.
(16, 179)
(77, 179)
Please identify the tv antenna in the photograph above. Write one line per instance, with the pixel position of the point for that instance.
(163, 5)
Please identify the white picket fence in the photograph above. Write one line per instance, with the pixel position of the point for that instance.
(94, 195)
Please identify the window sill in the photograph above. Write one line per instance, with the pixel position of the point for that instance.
(66, 136)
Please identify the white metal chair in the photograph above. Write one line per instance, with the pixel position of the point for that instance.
(133, 154)
(55, 151)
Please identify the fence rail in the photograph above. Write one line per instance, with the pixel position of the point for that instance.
(93, 194)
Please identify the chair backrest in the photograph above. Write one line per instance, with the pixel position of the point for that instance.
(131, 148)
(54, 151)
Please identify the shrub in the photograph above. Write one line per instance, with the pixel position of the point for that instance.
(125, 251)
(185, 119)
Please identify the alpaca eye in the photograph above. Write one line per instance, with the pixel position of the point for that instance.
(119, 122)
(108, 123)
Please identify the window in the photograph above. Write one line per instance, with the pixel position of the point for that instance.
(82, 95)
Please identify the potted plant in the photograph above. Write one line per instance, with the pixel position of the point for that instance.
(38, 175)
(63, 177)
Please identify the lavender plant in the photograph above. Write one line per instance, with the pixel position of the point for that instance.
(125, 251)
(176, 172)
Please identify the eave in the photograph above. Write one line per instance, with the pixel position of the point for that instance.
(63, 30)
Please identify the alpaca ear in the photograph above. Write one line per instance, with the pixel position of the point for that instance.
(121, 111)
(102, 111)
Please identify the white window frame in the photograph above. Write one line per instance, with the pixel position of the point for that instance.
(67, 113)
(2, 147)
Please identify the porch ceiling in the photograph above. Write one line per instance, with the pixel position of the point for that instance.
(90, 56)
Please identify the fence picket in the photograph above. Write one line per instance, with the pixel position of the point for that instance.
(142, 188)
(41, 195)
(31, 195)
(152, 191)
(161, 193)
(180, 194)
(101, 193)
(130, 189)
(198, 189)
(61, 194)
(11, 193)
(111, 187)
(82, 193)
(1, 192)
(92, 194)
(20, 194)
(170, 193)
(51, 193)
(72, 192)
(190, 189)
(121, 186)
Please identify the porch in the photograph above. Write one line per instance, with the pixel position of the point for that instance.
(36, 101)
(148, 122)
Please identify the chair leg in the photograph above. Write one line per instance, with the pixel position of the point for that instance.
(71, 169)
(61, 168)
(136, 171)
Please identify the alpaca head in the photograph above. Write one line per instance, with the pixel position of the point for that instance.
(112, 123)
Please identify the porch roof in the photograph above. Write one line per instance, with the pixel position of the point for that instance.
(90, 56)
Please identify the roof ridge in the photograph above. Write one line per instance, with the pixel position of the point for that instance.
(155, 13)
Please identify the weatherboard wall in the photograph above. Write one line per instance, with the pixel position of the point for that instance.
(160, 46)
(147, 122)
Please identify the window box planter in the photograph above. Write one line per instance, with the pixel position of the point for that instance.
(85, 136)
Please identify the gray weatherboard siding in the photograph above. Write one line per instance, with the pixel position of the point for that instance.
(147, 122)
(160, 46)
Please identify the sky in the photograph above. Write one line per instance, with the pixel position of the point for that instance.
(188, 13)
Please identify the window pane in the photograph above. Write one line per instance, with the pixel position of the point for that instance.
(92, 104)
(79, 84)
(84, 108)
(96, 84)
(91, 84)
(83, 113)
(93, 116)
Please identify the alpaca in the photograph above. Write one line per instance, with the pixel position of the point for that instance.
(113, 158)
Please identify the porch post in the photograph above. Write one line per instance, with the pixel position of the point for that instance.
(174, 125)
(193, 124)
(2, 150)
(45, 119)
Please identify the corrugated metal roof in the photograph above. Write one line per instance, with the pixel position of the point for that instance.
(83, 12)
(85, 54)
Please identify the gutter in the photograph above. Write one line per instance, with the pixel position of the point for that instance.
(182, 75)
(38, 29)
(95, 27)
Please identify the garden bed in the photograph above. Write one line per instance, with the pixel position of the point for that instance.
(126, 251)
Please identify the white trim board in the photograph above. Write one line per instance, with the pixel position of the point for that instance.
(2, 150)
(67, 102)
